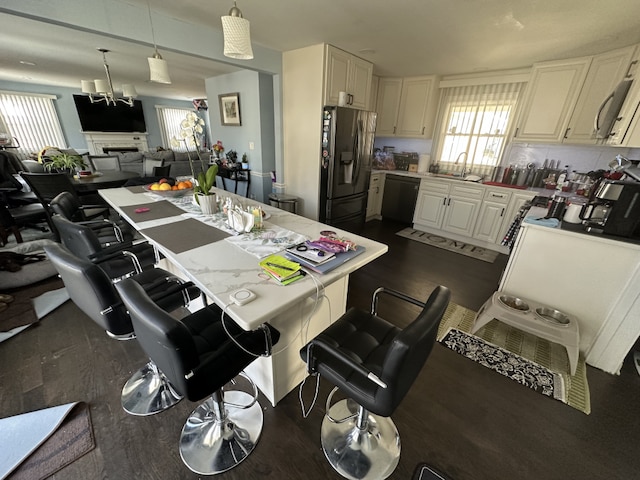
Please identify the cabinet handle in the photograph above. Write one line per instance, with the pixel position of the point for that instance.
(502, 212)
(566, 133)
(497, 195)
(444, 200)
(628, 74)
(350, 102)
(516, 134)
(449, 202)
(422, 130)
(394, 129)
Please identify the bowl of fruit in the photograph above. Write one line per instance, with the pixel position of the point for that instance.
(168, 187)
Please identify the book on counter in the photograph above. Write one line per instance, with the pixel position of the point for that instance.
(281, 269)
(337, 260)
(313, 255)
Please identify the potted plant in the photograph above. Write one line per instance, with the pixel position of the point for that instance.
(245, 162)
(202, 190)
(65, 162)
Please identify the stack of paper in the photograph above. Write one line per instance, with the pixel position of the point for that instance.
(282, 270)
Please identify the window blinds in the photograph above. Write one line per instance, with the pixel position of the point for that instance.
(32, 120)
(474, 123)
(169, 119)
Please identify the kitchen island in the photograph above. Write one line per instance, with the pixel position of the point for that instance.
(219, 267)
(594, 277)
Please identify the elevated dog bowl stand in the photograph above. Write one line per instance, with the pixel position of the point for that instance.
(565, 334)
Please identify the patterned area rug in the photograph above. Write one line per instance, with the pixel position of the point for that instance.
(452, 245)
(525, 358)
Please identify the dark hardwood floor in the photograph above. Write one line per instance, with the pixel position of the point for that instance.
(463, 419)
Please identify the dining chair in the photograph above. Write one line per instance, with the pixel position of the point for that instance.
(47, 186)
(103, 163)
(162, 171)
(374, 363)
(148, 164)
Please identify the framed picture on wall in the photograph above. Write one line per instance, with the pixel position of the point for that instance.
(230, 109)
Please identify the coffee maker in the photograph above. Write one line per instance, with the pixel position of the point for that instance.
(614, 209)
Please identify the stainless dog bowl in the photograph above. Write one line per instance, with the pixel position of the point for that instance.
(514, 303)
(552, 315)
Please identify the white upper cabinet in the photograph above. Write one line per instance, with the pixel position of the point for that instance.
(407, 106)
(350, 74)
(387, 105)
(605, 72)
(549, 100)
(626, 130)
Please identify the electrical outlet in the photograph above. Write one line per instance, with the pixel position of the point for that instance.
(252, 146)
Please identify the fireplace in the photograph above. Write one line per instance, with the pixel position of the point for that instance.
(100, 143)
(108, 150)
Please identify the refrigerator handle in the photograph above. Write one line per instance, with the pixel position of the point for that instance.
(357, 149)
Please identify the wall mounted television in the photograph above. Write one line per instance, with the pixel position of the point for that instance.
(98, 117)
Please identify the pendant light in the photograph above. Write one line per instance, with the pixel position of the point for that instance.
(158, 67)
(237, 38)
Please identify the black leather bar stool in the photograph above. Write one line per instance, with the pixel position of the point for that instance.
(374, 363)
(200, 354)
(147, 391)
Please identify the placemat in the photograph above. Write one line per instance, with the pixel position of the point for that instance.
(184, 235)
(136, 189)
(157, 210)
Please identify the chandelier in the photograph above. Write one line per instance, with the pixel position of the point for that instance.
(158, 67)
(104, 88)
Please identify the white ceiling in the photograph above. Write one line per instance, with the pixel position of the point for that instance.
(401, 38)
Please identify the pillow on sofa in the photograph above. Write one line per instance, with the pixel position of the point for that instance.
(130, 157)
(166, 155)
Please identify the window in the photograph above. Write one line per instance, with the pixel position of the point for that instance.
(32, 120)
(474, 125)
(170, 119)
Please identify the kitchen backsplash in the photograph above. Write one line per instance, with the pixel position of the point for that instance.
(578, 157)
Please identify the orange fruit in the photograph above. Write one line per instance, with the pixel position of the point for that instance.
(175, 187)
(188, 183)
(182, 186)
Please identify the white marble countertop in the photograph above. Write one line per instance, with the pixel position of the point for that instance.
(220, 268)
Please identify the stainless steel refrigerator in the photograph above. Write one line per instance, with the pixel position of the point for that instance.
(345, 166)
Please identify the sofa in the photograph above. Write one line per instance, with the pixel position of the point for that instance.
(179, 161)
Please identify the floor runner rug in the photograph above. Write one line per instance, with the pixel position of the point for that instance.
(456, 246)
(498, 338)
(63, 434)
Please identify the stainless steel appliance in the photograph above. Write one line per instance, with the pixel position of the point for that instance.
(614, 209)
(400, 195)
(345, 166)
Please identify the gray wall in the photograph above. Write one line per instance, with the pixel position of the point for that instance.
(69, 117)
(258, 124)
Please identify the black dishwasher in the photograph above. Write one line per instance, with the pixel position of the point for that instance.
(400, 195)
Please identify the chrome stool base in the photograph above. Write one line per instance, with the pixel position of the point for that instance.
(372, 452)
(148, 392)
(210, 444)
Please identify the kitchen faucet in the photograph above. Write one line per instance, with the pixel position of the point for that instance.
(464, 165)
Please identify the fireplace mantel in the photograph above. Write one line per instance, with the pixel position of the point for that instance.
(98, 141)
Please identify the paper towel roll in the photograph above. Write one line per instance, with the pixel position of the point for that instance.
(423, 162)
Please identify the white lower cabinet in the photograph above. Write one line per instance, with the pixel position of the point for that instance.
(374, 200)
(431, 204)
(492, 214)
(468, 212)
(460, 216)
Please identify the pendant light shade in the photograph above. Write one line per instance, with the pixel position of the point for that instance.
(158, 69)
(237, 38)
